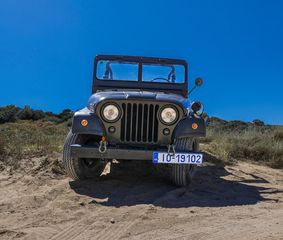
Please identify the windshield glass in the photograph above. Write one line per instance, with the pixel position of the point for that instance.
(163, 73)
(129, 71)
(110, 70)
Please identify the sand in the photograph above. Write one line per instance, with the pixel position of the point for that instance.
(243, 201)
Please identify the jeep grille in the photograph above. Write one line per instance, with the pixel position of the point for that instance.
(139, 123)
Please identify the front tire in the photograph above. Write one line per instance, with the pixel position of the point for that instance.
(182, 174)
(77, 168)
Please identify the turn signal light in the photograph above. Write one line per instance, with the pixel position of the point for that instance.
(194, 126)
(84, 122)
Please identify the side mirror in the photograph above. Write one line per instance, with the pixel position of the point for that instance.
(198, 82)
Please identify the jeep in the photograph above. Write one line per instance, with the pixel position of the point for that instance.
(139, 110)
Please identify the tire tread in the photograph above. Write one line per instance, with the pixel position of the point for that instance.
(67, 159)
(182, 174)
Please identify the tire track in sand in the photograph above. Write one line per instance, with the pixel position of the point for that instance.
(71, 231)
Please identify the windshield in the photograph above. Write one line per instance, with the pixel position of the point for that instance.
(129, 71)
(110, 70)
(163, 73)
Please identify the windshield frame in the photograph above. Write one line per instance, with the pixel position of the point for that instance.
(140, 85)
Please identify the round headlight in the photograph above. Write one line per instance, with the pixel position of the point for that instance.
(197, 108)
(110, 112)
(169, 115)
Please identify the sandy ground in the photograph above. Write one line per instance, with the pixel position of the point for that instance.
(244, 201)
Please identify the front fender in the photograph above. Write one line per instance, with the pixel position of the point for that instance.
(185, 128)
(94, 126)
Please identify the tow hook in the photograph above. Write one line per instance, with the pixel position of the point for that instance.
(171, 150)
(102, 145)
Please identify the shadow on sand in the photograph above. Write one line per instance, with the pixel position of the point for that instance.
(132, 183)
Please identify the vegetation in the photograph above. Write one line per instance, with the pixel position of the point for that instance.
(27, 139)
(12, 113)
(26, 133)
(237, 140)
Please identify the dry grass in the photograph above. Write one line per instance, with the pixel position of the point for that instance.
(228, 141)
(2, 146)
(31, 139)
(242, 141)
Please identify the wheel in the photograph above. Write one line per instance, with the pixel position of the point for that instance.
(182, 174)
(80, 168)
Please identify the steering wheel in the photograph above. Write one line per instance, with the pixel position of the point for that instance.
(160, 78)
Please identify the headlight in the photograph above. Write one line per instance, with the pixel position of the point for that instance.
(110, 113)
(169, 115)
(197, 108)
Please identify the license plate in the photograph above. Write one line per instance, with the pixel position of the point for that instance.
(177, 158)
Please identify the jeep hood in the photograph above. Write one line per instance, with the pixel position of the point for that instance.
(136, 95)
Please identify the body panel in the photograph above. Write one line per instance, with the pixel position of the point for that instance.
(185, 129)
(94, 126)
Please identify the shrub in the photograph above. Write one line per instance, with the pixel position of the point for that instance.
(25, 114)
(38, 114)
(65, 115)
(8, 113)
(258, 122)
(69, 123)
(12, 113)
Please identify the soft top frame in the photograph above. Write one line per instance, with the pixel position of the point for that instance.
(177, 88)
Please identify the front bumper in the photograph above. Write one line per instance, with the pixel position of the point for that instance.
(80, 151)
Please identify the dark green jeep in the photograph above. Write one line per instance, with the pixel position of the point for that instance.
(139, 110)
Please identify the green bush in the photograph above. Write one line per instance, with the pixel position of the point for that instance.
(8, 113)
(38, 114)
(258, 122)
(65, 115)
(12, 113)
(25, 114)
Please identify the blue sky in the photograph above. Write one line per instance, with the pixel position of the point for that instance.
(47, 49)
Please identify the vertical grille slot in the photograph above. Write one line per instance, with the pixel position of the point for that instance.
(139, 123)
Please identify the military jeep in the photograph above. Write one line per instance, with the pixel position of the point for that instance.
(139, 110)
